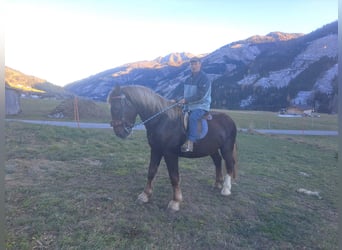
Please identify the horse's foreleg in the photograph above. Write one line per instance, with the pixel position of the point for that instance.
(172, 166)
(217, 159)
(155, 159)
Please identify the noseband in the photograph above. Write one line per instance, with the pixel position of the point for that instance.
(121, 122)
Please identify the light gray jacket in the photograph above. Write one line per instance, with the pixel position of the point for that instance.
(197, 92)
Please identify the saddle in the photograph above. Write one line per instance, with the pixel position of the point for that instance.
(202, 124)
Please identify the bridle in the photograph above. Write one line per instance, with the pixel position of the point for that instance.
(127, 126)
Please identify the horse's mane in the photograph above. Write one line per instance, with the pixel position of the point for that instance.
(144, 97)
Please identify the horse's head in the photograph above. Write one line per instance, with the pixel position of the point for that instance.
(123, 113)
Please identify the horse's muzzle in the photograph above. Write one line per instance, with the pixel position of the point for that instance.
(121, 129)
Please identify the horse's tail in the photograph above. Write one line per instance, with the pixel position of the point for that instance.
(235, 160)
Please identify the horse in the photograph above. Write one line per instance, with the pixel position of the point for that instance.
(163, 120)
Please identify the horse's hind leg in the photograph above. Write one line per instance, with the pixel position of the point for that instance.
(229, 155)
(217, 159)
(155, 159)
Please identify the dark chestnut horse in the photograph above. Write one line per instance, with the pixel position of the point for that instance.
(166, 133)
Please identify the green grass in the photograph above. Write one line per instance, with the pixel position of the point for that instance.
(271, 120)
(39, 109)
(77, 188)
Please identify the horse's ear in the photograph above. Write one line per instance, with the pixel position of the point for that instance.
(117, 89)
(115, 92)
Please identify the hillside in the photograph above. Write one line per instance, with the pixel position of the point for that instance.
(31, 85)
(259, 73)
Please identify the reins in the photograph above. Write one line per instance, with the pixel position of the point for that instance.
(155, 115)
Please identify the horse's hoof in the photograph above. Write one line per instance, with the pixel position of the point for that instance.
(218, 185)
(142, 198)
(225, 192)
(174, 206)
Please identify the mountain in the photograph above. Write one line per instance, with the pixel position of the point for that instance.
(147, 73)
(261, 72)
(31, 85)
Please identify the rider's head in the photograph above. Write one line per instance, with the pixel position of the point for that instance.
(195, 64)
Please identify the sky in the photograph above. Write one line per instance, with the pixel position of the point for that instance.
(63, 41)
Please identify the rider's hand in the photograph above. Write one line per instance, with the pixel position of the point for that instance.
(182, 101)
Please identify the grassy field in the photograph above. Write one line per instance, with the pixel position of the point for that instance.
(39, 109)
(271, 120)
(76, 189)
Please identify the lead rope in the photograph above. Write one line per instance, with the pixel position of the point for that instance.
(155, 115)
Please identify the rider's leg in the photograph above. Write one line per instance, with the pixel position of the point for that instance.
(194, 116)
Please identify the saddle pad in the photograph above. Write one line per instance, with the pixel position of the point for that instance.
(202, 124)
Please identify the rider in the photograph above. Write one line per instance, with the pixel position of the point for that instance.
(196, 100)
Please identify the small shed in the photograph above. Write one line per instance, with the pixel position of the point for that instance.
(12, 97)
(303, 110)
(294, 110)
